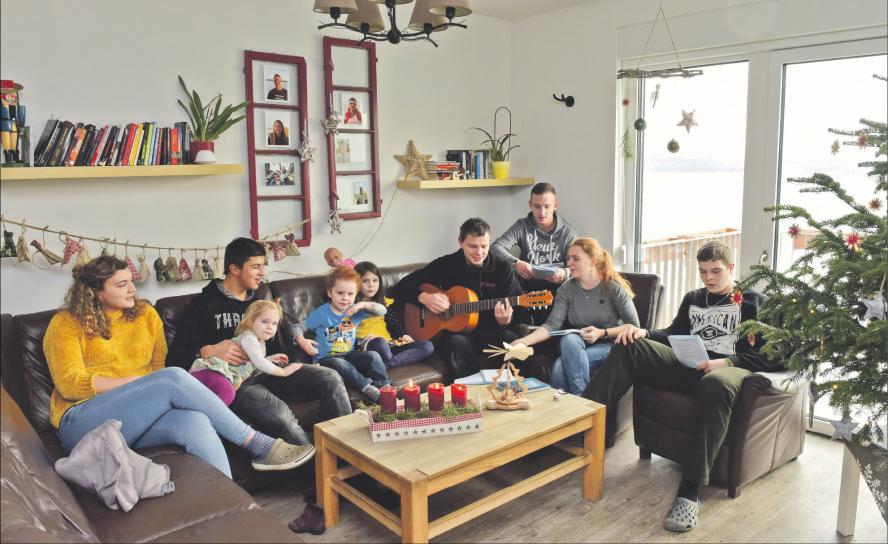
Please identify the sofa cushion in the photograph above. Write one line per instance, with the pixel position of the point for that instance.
(29, 332)
(11, 371)
(38, 506)
(202, 493)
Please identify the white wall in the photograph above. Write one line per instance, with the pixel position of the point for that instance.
(116, 62)
(576, 51)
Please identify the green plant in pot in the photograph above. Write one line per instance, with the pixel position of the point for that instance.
(499, 146)
(207, 122)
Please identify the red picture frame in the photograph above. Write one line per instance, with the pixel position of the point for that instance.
(371, 173)
(289, 109)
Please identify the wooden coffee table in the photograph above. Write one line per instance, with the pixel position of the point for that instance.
(421, 467)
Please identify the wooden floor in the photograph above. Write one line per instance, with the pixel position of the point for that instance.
(795, 503)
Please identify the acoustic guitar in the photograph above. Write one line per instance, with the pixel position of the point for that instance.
(462, 316)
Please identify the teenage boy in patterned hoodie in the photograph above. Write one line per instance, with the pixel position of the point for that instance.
(713, 313)
(543, 238)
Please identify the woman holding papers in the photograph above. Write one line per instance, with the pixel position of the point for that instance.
(597, 302)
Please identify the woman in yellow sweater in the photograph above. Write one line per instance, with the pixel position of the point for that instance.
(106, 351)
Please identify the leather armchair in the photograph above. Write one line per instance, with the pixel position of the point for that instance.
(767, 427)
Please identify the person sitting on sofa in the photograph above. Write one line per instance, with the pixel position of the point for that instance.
(596, 298)
(105, 350)
(205, 330)
(543, 238)
(473, 267)
(712, 312)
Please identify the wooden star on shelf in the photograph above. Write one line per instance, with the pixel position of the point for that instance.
(414, 162)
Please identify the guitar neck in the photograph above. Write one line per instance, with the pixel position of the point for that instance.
(481, 305)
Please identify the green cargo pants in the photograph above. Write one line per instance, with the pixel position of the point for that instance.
(655, 364)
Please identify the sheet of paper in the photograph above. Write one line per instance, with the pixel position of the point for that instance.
(474, 379)
(689, 349)
(489, 373)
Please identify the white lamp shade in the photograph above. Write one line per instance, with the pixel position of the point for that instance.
(421, 15)
(396, 1)
(345, 6)
(367, 13)
(439, 7)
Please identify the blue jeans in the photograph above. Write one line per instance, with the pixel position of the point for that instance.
(359, 368)
(165, 407)
(571, 370)
(394, 356)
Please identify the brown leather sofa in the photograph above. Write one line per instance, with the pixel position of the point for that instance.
(767, 427)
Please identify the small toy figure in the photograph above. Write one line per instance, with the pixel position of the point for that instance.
(8, 245)
(335, 258)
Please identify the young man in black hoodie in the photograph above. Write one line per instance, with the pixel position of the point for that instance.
(207, 327)
(489, 277)
(712, 313)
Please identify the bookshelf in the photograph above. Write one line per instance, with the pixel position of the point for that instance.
(97, 172)
(462, 183)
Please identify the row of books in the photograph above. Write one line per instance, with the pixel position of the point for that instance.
(65, 144)
(474, 164)
(445, 169)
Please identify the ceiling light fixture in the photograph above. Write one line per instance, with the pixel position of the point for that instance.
(365, 17)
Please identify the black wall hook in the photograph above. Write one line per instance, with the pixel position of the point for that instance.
(568, 101)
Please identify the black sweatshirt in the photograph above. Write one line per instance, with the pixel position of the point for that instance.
(715, 319)
(495, 278)
(208, 319)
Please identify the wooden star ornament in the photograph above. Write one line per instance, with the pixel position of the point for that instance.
(687, 120)
(414, 162)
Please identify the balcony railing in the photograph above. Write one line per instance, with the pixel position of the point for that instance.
(674, 260)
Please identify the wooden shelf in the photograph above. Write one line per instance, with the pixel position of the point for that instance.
(462, 183)
(95, 172)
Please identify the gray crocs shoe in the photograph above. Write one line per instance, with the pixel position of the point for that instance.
(284, 456)
(683, 516)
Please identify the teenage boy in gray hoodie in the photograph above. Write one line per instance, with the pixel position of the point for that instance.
(543, 238)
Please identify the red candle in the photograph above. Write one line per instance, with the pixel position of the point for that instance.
(459, 394)
(411, 397)
(388, 400)
(436, 396)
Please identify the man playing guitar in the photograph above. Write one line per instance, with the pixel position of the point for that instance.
(474, 268)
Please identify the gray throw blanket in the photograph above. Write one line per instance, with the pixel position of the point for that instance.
(102, 462)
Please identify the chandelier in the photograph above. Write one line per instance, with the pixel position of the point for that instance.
(365, 17)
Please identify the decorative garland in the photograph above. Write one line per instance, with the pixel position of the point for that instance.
(74, 249)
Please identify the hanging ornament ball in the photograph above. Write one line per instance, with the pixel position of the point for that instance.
(640, 124)
(673, 146)
(625, 101)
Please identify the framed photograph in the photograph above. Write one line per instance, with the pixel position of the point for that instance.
(277, 129)
(355, 193)
(353, 108)
(352, 66)
(278, 175)
(352, 152)
(279, 181)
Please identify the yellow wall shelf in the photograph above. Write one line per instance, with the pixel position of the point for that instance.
(95, 172)
(462, 183)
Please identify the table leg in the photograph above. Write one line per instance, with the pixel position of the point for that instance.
(414, 508)
(848, 489)
(593, 445)
(325, 469)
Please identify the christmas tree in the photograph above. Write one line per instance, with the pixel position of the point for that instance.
(825, 316)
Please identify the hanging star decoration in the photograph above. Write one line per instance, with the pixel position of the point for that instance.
(875, 307)
(852, 242)
(844, 429)
(655, 95)
(687, 120)
(862, 139)
(875, 204)
(331, 123)
(414, 162)
(834, 148)
(306, 150)
(335, 222)
(794, 231)
(737, 297)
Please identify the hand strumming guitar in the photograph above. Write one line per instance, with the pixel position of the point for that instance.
(436, 302)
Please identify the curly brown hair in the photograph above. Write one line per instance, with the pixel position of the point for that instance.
(82, 300)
